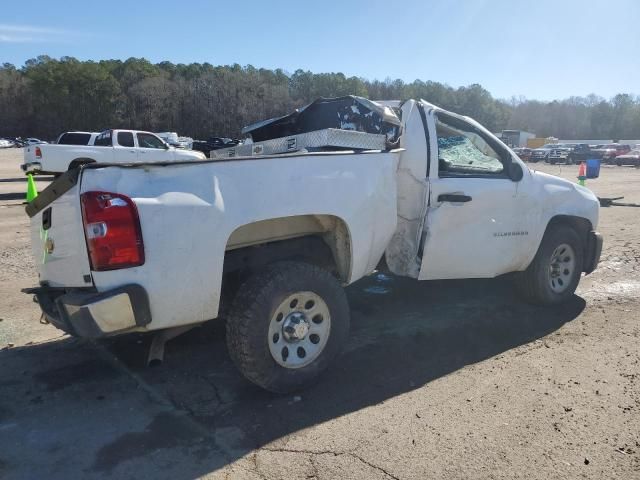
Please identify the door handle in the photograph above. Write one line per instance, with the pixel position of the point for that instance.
(454, 197)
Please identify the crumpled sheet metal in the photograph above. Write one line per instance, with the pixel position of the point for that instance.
(346, 113)
(401, 254)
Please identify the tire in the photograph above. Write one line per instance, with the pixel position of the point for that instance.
(545, 281)
(619, 163)
(264, 309)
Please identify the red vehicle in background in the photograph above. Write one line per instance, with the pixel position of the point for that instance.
(631, 158)
(611, 150)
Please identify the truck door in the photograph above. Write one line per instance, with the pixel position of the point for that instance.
(152, 149)
(475, 226)
(124, 147)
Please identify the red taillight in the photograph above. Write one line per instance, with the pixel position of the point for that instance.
(38, 152)
(112, 231)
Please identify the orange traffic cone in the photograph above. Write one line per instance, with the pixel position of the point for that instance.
(582, 174)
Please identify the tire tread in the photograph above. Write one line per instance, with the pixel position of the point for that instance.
(530, 283)
(253, 297)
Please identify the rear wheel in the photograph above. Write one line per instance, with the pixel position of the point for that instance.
(286, 324)
(554, 273)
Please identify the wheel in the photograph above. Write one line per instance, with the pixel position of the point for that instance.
(619, 163)
(286, 324)
(554, 273)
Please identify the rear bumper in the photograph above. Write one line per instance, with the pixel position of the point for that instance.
(33, 167)
(593, 252)
(90, 314)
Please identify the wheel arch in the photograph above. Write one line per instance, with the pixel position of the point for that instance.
(76, 162)
(582, 226)
(324, 240)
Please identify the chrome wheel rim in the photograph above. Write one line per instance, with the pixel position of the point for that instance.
(299, 329)
(561, 268)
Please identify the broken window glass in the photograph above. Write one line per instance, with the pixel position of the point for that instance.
(463, 150)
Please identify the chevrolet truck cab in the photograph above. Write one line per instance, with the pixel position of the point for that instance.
(267, 242)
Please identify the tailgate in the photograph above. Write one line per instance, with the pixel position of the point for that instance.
(57, 234)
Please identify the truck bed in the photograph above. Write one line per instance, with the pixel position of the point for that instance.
(191, 213)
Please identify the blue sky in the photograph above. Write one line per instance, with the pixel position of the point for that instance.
(539, 48)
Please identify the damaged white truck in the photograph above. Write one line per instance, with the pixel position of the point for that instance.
(266, 234)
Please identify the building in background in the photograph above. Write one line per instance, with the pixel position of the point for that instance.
(515, 138)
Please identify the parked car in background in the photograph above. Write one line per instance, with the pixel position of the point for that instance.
(583, 152)
(169, 137)
(174, 140)
(630, 158)
(611, 150)
(622, 149)
(185, 142)
(33, 141)
(6, 143)
(542, 153)
(213, 143)
(77, 138)
(560, 153)
(523, 153)
(110, 146)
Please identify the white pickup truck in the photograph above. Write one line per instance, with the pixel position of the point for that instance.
(110, 146)
(271, 240)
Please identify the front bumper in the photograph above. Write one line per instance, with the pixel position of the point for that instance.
(593, 252)
(91, 314)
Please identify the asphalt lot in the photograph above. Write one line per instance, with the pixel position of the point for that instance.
(442, 380)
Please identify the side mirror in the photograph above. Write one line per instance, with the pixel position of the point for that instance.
(515, 172)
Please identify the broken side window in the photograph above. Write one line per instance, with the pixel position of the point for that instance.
(462, 150)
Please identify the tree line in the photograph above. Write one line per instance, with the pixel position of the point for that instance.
(47, 96)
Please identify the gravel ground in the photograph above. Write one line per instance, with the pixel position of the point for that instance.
(441, 380)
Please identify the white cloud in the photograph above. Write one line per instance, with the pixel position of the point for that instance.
(30, 33)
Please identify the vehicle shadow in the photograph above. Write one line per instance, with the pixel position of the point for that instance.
(12, 196)
(404, 335)
(37, 178)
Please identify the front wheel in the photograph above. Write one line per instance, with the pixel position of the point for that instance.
(554, 274)
(286, 324)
